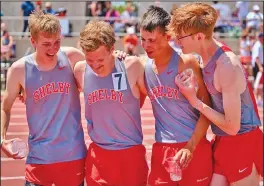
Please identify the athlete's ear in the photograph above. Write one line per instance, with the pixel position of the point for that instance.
(200, 36)
(112, 49)
(33, 41)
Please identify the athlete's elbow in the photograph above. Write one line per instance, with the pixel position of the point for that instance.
(233, 129)
(233, 132)
(6, 109)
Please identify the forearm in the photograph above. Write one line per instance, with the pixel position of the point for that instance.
(5, 118)
(215, 117)
(199, 132)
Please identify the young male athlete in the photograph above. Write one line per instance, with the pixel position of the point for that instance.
(180, 129)
(112, 91)
(56, 142)
(238, 147)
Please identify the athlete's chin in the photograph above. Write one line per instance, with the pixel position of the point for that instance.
(98, 70)
(150, 55)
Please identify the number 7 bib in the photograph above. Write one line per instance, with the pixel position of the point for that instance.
(119, 81)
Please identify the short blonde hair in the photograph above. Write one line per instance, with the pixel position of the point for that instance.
(43, 23)
(95, 34)
(194, 17)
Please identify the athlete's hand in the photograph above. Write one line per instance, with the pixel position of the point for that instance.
(120, 54)
(187, 86)
(7, 148)
(184, 157)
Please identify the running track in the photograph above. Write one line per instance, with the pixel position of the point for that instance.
(12, 171)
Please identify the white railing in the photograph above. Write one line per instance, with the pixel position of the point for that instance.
(231, 19)
(76, 18)
(86, 18)
(73, 34)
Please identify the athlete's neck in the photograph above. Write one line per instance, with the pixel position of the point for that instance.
(207, 50)
(164, 58)
(45, 65)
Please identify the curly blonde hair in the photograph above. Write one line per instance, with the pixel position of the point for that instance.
(95, 34)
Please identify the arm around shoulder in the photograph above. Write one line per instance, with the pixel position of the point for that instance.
(141, 82)
(75, 55)
(135, 69)
(79, 70)
(138, 69)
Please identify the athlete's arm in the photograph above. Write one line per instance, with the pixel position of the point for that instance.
(141, 83)
(78, 72)
(231, 81)
(202, 123)
(135, 74)
(74, 55)
(13, 85)
(202, 94)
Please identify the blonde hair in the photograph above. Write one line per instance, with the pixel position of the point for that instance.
(194, 17)
(43, 23)
(95, 34)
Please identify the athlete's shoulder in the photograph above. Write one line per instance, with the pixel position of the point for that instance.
(80, 66)
(17, 70)
(19, 64)
(191, 60)
(73, 54)
(229, 68)
(228, 60)
(134, 66)
(133, 62)
(69, 49)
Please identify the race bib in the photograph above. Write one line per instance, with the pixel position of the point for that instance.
(119, 81)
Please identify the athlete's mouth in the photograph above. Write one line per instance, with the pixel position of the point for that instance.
(98, 67)
(149, 52)
(50, 55)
